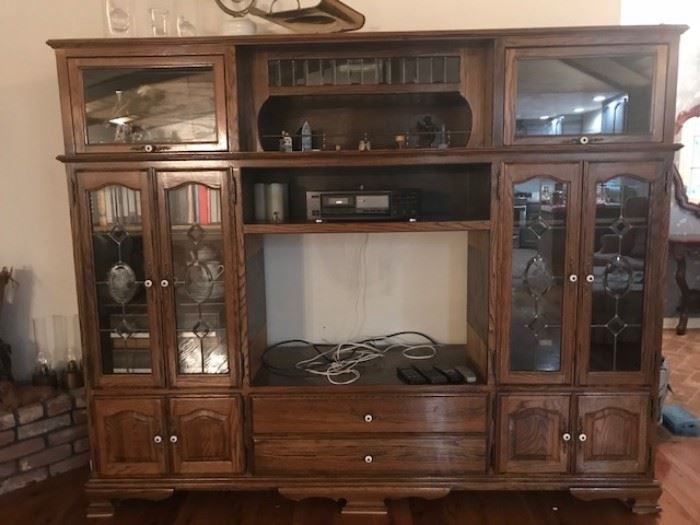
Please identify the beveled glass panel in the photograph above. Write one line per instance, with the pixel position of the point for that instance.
(619, 261)
(118, 252)
(196, 238)
(161, 105)
(584, 95)
(538, 255)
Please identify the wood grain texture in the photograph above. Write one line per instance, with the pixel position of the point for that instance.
(368, 414)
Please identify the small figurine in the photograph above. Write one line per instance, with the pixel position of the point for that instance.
(443, 138)
(337, 147)
(286, 143)
(427, 132)
(368, 144)
(400, 141)
(306, 137)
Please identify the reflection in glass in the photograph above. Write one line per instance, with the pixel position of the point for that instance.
(197, 250)
(162, 105)
(539, 242)
(585, 95)
(618, 267)
(117, 241)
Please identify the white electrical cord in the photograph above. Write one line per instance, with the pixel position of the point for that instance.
(343, 359)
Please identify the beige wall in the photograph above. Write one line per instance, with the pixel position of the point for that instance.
(34, 231)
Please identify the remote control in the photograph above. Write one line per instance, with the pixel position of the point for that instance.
(468, 373)
(432, 375)
(410, 376)
(453, 375)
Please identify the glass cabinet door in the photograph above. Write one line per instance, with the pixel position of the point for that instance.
(198, 272)
(541, 204)
(119, 279)
(149, 104)
(620, 277)
(582, 94)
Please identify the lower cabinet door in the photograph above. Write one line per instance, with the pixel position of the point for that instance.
(130, 438)
(206, 435)
(612, 434)
(534, 434)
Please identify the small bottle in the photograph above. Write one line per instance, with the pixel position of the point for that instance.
(306, 137)
(368, 144)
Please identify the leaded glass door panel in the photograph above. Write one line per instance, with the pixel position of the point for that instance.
(120, 293)
(540, 252)
(198, 277)
(620, 278)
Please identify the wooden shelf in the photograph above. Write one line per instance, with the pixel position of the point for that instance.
(366, 227)
(365, 89)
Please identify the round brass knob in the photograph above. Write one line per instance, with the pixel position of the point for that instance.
(573, 278)
(590, 278)
(148, 148)
(368, 459)
(148, 283)
(583, 140)
(566, 437)
(369, 418)
(164, 283)
(173, 439)
(582, 438)
(157, 439)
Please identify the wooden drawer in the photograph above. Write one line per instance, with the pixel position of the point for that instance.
(369, 413)
(428, 456)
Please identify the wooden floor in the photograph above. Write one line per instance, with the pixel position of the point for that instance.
(683, 353)
(59, 501)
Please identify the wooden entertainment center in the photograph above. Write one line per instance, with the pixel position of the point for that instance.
(549, 149)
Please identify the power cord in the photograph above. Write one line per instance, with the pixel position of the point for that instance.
(344, 359)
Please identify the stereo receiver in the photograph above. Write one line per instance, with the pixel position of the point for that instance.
(363, 205)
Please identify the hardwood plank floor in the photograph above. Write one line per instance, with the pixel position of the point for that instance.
(59, 501)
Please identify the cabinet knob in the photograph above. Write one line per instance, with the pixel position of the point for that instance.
(157, 439)
(566, 437)
(590, 278)
(368, 459)
(573, 278)
(148, 148)
(148, 283)
(173, 439)
(583, 140)
(582, 438)
(164, 283)
(369, 418)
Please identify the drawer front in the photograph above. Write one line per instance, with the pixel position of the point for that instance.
(375, 413)
(430, 456)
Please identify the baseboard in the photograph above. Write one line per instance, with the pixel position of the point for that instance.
(670, 323)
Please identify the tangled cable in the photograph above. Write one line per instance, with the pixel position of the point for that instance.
(344, 359)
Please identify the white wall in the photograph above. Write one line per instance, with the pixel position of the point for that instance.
(34, 231)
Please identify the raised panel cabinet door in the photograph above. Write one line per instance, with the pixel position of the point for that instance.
(206, 435)
(534, 434)
(121, 313)
(149, 104)
(130, 440)
(198, 278)
(612, 434)
(625, 225)
(577, 94)
(541, 203)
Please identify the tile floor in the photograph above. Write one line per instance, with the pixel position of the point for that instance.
(683, 353)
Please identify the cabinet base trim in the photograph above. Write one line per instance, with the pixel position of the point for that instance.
(642, 500)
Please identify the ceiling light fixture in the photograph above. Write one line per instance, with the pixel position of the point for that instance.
(579, 110)
(544, 117)
(599, 98)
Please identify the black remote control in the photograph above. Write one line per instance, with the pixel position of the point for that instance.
(432, 375)
(410, 375)
(453, 375)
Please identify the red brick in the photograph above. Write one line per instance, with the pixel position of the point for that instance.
(81, 445)
(69, 464)
(21, 480)
(80, 416)
(29, 413)
(59, 405)
(8, 469)
(42, 426)
(59, 437)
(7, 420)
(7, 437)
(21, 449)
(79, 397)
(45, 457)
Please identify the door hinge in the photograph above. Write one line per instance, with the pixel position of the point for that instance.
(234, 187)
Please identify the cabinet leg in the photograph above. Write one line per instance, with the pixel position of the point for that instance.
(642, 500)
(100, 511)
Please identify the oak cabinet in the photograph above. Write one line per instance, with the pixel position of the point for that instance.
(582, 434)
(131, 434)
(577, 276)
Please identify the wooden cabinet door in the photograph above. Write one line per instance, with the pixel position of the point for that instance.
(129, 436)
(541, 205)
(534, 434)
(198, 277)
(206, 435)
(121, 307)
(625, 218)
(612, 434)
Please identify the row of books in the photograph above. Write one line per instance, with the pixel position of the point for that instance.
(188, 205)
(195, 204)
